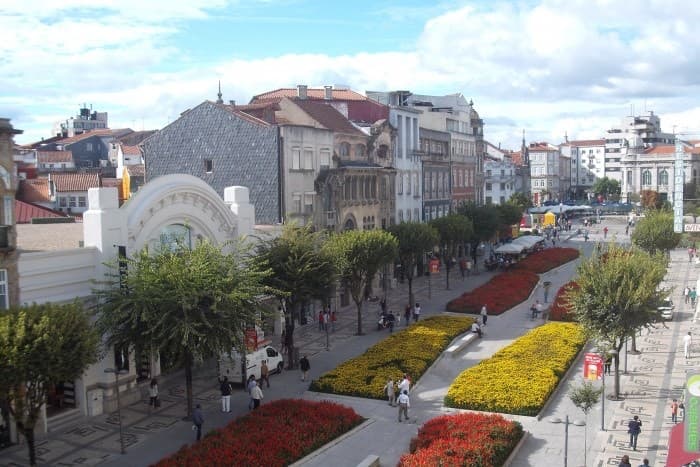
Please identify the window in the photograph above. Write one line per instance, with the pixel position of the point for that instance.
(629, 177)
(208, 165)
(360, 150)
(416, 184)
(72, 202)
(81, 201)
(400, 187)
(489, 200)
(488, 186)
(308, 202)
(296, 202)
(324, 160)
(4, 299)
(663, 177)
(344, 150)
(400, 216)
(62, 202)
(408, 184)
(308, 159)
(400, 135)
(88, 147)
(416, 214)
(296, 158)
(8, 204)
(503, 186)
(646, 177)
(488, 173)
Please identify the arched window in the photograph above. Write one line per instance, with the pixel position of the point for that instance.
(663, 177)
(344, 150)
(359, 150)
(646, 177)
(174, 237)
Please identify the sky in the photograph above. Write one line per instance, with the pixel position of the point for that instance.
(549, 67)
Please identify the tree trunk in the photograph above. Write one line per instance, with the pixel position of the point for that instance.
(410, 292)
(447, 273)
(289, 333)
(188, 382)
(358, 304)
(616, 381)
(634, 343)
(31, 444)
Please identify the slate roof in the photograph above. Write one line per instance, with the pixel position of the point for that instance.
(586, 142)
(25, 212)
(117, 133)
(111, 182)
(135, 137)
(35, 190)
(75, 181)
(328, 116)
(311, 93)
(53, 157)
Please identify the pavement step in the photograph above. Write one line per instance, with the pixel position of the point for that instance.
(64, 420)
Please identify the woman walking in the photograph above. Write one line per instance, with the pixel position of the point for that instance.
(153, 393)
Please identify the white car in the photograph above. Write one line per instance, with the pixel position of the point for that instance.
(666, 309)
(231, 365)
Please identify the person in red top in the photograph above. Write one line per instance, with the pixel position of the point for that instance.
(333, 320)
(605, 232)
(320, 321)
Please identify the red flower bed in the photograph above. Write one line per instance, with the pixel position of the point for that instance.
(545, 260)
(560, 309)
(465, 439)
(501, 293)
(276, 434)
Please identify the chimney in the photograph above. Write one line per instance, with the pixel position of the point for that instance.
(301, 91)
(232, 103)
(328, 93)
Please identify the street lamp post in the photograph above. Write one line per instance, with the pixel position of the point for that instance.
(566, 435)
(118, 372)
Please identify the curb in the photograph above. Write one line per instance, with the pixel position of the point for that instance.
(332, 443)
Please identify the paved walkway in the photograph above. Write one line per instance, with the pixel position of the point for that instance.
(151, 436)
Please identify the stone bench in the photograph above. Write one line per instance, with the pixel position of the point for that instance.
(370, 461)
(464, 341)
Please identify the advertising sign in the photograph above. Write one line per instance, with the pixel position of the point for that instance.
(251, 339)
(434, 266)
(691, 420)
(592, 366)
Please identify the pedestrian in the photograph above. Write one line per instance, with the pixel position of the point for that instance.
(690, 254)
(585, 235)
(389, 390)
(476, 329)
(687, 343)
(407, 314)
(382, 304)
(251, 385)
(484, 315)
(627, 229)
(605, 233)
(225, 388)
(404, 404)
(625, 461)
(645, 463)
(634, 427)
(327, 321)
(686, 294)
(391, 319)
(198, 421)
(320, 320)
(607, 364)
(674, 411)
(153, 393)
(305, 367)
(264, 373)
(545, 286)
(404, 384)
(256, 395)
(469, 268)
(416, 312)
(462, 267)
(693, 297)
(334, 318)
(283, 341)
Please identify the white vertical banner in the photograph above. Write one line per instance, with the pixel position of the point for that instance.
(678, 179)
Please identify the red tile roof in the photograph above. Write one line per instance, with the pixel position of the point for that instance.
(131, 150)
(111, 182)
(25, 212)
(75, 181)
(44, 157)
(670, 149)
(136, 170)
(34, 190)
(328, 116)
(311, 93)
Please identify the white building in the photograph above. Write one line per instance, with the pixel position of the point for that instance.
(499, 180)
(86, 120)
(587, 159)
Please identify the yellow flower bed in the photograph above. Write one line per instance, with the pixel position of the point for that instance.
(519, 378)
(411, 351)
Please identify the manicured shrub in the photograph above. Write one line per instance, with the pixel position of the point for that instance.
(547, 259)
(501, 293)
(560, 309)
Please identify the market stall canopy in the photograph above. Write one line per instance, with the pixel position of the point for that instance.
(509, 249)
(528, 241)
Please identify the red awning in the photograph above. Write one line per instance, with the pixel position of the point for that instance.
(677, 456)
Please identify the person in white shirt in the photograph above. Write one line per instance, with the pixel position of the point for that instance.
(416, 312)
(256, 394)
(687, 342)
(404, 385)
(404, 403)
(476, 329)
(484, 315)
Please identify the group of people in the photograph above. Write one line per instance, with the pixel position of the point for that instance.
(397, 394)
(326, 320)
(536, 309)
(690, 295)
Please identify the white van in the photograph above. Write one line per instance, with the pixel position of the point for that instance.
(231, 367)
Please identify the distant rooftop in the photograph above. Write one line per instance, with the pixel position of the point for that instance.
(48, 237)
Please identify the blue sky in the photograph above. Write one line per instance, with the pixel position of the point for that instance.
(547, 66)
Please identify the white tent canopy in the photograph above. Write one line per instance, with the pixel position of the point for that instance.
(528, 241)
(510, 249)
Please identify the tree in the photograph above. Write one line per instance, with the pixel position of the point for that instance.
(190, 304)
(454, 230)
(654, 232)
(41, 345)
(522, 200)
(650, 199)
(606, 187)
(509, 213)
(485, 220)
(301, 270)
(359, 254)
(414, 239)
(585, 397)
(618, 293)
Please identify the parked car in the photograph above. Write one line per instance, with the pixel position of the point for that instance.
(666, 309)
(230, 365)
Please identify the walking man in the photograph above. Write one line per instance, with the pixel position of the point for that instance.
(605, 233)
(404, 385)
(389, 390)
(634, 427)
(404, 404)
(407, 314)
(305, 367)
(686, 294)
(416, 312)
(257, 395)
(687, 343)
(545, 286)
(484, 315)
(674, 411)
(693, 296)
(264, 373)
(225, 388)
(198, 420)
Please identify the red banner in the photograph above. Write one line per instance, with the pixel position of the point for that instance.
(251, 339)
(434, 266)
(592, 366)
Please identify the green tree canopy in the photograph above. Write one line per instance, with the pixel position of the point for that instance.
(414, 240)
(359, 254)
(454, 230)
(301, 270)
(41, 345)
(654, 232)
(618, 293)
(190, 304)
(509, 214)
(485, 221)
(607, 187)
(521, 200)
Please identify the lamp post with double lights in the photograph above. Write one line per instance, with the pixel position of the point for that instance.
(118, 372)
(566, 423)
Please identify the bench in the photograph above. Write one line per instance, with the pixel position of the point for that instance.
(461, 344)
(370, 461)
